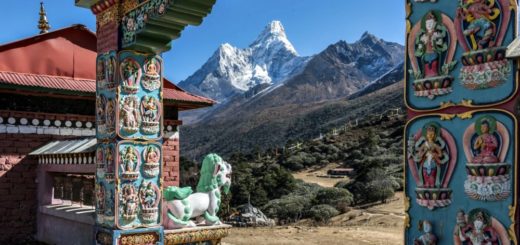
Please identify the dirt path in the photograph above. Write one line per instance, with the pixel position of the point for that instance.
(295, 235)
(379, 224)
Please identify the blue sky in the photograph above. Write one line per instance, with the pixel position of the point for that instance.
(310, 25)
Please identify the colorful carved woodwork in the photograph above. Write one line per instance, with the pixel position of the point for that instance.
(482, 141)
(135, 20)
(486, 143)
(478, 227)
(431, 55)
(140, 110)
(481, 28)
(139, 171)
(427, 238)
(432, 156)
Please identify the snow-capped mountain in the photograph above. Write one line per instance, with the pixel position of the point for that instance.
(270, 59)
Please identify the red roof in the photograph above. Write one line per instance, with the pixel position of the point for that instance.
(48, 82)
(63, 62)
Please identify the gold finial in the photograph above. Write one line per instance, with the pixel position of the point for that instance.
(43, 24)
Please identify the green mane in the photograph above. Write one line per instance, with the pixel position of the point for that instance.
(207, 181)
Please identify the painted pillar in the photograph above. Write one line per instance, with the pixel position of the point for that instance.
(131, 35)
(461, 163)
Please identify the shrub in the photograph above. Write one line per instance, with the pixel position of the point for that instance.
(322, 213)
(333, 196)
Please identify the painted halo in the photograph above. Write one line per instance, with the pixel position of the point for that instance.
(432, 156)
(432, 44)
(481, 27)
(486, 143)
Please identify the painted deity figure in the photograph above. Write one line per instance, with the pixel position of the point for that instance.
(152, 156)
(485, 144)
(129, 114)
(109, 211)
(432, 47)
(430, 43)
(100, 197)
(130, 200)
(110, 112)
(481, 29)
(482, 26)
(150, 109)
(152, 77)
(431, 154)
(148, 195)
(129, 159)
(109, 159)
(111, 72)
(130, 75)
(479, 230)
(427, 238)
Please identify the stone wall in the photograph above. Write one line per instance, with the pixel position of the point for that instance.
(20, 134)
(18, 186)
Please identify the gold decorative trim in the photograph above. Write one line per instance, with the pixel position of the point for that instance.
(138, 239)
(466, 115)
(467, 103)
(188, 236)
(447, 117)
(446, 104)
(107, 16)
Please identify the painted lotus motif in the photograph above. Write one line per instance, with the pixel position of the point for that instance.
(431, 55)
(481, 28)
(432, 156)
(486, 143)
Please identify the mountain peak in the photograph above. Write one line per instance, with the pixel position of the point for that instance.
(274, 32)
(368, 38)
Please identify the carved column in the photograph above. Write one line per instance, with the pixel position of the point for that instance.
(129, 112)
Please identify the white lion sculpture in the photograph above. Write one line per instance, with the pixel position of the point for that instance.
(181, 205)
